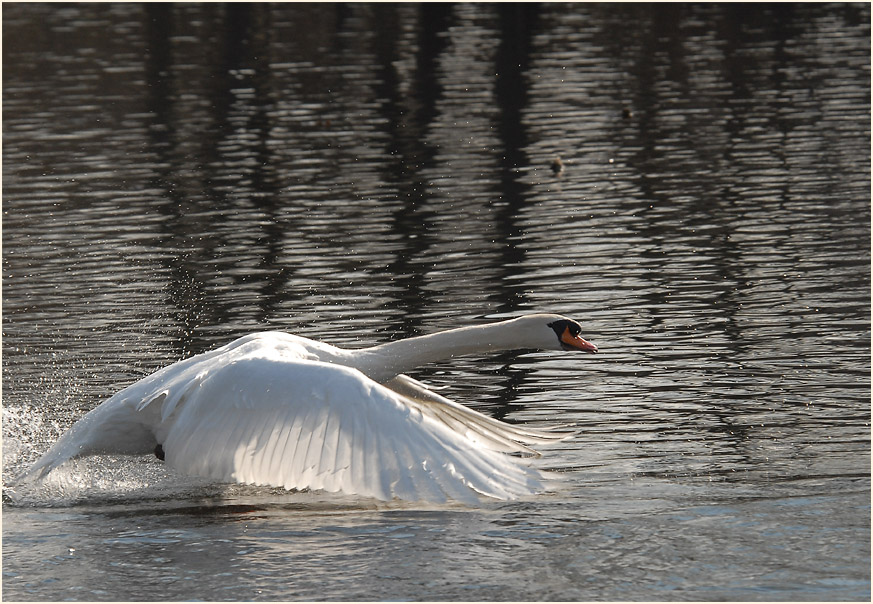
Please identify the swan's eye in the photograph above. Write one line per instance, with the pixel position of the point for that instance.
(565, 325)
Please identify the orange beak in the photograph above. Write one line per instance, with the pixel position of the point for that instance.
(576, 342)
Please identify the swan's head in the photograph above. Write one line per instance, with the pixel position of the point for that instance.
(554, 332)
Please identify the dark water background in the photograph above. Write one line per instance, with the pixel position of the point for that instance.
(175, 176)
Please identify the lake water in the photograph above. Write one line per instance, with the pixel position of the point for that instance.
(175, 176)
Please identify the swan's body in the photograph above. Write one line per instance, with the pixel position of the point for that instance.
(281, 410)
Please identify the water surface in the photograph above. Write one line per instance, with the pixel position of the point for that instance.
(175, 176)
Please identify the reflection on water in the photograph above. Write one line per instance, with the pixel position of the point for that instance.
(177, 175)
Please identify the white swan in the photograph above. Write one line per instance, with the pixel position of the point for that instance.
(281, 410)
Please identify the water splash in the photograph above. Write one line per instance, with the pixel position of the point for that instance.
(27, 434)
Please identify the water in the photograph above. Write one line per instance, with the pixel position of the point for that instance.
(176, 176)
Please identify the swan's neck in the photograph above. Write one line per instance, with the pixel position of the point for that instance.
(384, 362)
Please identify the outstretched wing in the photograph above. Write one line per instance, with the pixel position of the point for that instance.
(305, 424)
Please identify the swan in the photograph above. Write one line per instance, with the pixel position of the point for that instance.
(275, 409)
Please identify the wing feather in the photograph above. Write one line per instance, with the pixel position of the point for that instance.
(275, 429)
(336, 471)
(501, 436)
(314, 447)
(325, 453)
(492, 474)
(289, 467)
(284, 447)
(368, 482)
(250, 454)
